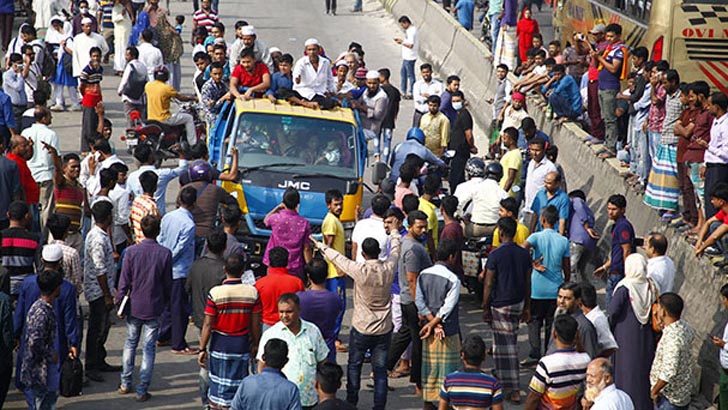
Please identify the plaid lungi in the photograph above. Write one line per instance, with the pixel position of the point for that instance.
(663, 187)
(505, 338)
(439, 358)
(227, 371)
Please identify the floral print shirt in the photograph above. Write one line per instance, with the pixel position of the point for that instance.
(674, 363)
(38, 352)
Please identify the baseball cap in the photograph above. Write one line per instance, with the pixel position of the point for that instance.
(599, 29)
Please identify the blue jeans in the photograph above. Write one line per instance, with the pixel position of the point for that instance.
(642, 154)
(562, 106)
(149, 350)
(612, 281)
(494, 29)
(407, 74)
(383, 143)
(664, 404)
(653, 141)
(338, 286)
(379, 346)
(44, 399)
(357, 5)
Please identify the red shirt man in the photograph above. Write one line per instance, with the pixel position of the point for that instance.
(21, 149)
(250, 74)
(277, 282)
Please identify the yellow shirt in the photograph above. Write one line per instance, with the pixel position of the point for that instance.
(332, 226)
(158, 96)
(432, 224)
(437, 131)
(511, 160)
(521, 235)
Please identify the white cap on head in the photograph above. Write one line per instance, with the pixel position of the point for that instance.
(311, 42)
(52, 253)
(86, 20)
(372, 74)
(340, 63)
(248, 30)
(274, 50)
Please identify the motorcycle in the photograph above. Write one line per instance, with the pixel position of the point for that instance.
(475, 257)
(163, 138)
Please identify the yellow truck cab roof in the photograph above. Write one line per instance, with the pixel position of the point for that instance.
(264, 105)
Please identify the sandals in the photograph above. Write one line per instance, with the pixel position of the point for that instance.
(186, 351)
(606, 153)
(396, 374)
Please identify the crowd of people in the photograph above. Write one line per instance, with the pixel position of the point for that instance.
(88, 230)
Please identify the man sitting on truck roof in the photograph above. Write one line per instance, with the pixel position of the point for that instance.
(313, 80)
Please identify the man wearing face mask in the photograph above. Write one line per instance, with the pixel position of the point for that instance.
(372, 106)
(461, 139)
(83, 12)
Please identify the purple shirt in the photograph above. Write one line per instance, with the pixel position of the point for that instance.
(581, 213)
(622, 232)
(146, 275)
(290, 231)
(510, 11)
(607, 80)
(322, 307)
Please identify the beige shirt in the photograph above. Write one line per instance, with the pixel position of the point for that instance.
(372, 288)
(437, 131)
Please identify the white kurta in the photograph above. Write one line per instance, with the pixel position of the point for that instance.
(82, 45)
(122, 31)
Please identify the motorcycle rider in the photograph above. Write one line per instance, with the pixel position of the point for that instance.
(474, 173)
(415, 144)
(486, 199)
(159, 94)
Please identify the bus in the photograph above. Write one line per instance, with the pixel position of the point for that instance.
(692, 35)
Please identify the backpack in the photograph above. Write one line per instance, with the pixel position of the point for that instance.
(71, 377)
(48, 68)
(134, 87)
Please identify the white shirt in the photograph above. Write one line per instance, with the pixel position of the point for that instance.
(534, 179)
(313, 82)
(138, 66)
(41, 164)
(605, 339)
(151, 57)
(611, 398)
(82, 45)
(410, 39)
(93, 184)
(724, 350)
(121, 199)
(434, 87)
(372, 227)
(486, 199)
(466, 189)
(662, 270)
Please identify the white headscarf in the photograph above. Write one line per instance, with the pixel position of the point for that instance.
(641, 289)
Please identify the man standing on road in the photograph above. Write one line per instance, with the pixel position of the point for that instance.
(146, 280)
(41, 164)
(551, 194)
(10, 188)
(462, 140)
(333, 235)
(290, 231)
(371, 325)
(622, 243)
(600, 392)
(147, 158)
(452, 85)
(567, 304)
(436, 127)
(414, 260)
(277, 282)
(83, 42)
(134, 72)
(178, 235)
(421, 92)
(390, 118)
(506, 301)
(410, 48)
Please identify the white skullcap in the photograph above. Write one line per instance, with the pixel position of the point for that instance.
(372, 74)
(52, 253)
(311, 42)
(86, 20)
(248, 30)
(274, 50)
(340, 63)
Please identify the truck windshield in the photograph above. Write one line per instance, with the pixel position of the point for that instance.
(315, 145)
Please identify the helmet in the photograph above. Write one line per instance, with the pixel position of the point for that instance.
(161, 73)
(494, 171)
(475, 167)
(200, 170)
(415, 133)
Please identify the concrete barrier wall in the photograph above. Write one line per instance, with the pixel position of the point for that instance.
(453, 50)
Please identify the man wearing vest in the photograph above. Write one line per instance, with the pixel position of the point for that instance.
(612, 69)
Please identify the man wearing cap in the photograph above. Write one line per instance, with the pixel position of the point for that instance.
(372, 106)
(312, 77)
(249, 39)
(583, 47)
(83, 43)
(68, 336)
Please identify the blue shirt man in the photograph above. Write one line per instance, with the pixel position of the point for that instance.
(551, 195)
(279, 81)
(178, 235)
(564, 95)
(400, 152)
(551, 256)
(164, 175)
(622, 233)
(7, 118)
(581, 214)
(465, 10)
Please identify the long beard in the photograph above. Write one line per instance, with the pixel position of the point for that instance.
(560, 311)
(592, 392)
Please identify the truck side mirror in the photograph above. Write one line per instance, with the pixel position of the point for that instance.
(379, 172)
(352, 187)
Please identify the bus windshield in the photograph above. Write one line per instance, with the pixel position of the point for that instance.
(298, 144)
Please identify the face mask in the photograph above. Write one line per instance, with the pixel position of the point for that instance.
(83, 10)
(21, 66)
(457, 105)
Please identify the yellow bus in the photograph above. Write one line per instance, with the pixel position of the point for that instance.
(692, 35)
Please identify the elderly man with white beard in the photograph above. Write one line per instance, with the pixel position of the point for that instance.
(601, 393)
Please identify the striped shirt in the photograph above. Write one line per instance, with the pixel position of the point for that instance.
(673, 109)
(231, 305)
(142, 206)
(69, 201)
(71, 265)
(18, 248)
(205, 19)
(558, 378)
(106, 6)
(471, 388)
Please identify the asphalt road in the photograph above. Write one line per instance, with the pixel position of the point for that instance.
(285, 24)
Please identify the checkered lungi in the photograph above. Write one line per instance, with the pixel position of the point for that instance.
(227, 371)
(505, 338)
(439, 358)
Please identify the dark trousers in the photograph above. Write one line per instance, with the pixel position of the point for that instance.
(175, 317)
(595, 111)
(457, 171)
(409, 332)
(6, 20)
(714, 173)
(358, 346)
(416, 117)
(5, 135)
(18, 111)
(688, 193)
(89, 123)
(6, 374)
(331, 5)
(542, 311)
(99, 323)
(561, 106)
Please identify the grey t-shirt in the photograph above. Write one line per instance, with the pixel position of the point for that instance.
(414, 258)
(587, 335)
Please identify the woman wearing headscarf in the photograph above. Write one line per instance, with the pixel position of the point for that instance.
(59, 37)
(630, 320)
(525, 29)
(122, 16)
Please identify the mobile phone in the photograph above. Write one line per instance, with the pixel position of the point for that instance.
(639, 241)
